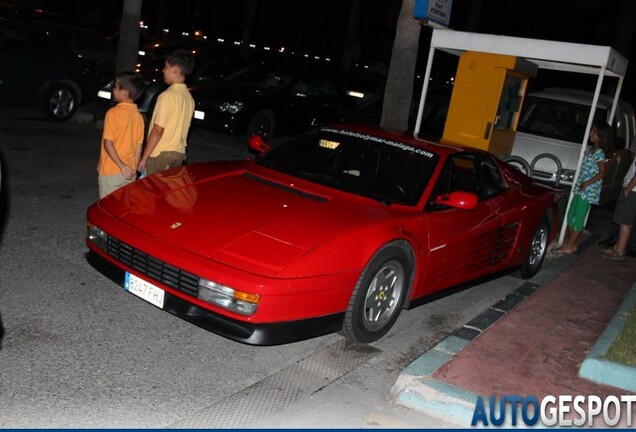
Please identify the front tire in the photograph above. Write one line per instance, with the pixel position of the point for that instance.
(60, 103)
(262, 124)
(378, 296)
(537, 252)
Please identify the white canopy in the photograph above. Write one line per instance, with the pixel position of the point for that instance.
(561, 56)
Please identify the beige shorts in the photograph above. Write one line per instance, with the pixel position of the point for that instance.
(163, 161)
(108, 184)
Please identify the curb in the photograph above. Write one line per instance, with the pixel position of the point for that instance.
(415, 388)
(596, 368)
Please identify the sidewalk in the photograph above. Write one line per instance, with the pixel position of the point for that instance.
(533, 342)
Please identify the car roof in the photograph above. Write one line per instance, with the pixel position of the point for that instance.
(577, 96)
(35, 31)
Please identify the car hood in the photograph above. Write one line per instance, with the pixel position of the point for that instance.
(238, 216)
(529, 146)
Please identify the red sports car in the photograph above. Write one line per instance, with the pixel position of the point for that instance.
(336, 230)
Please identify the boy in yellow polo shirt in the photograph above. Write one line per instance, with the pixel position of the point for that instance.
(123, 135)
(171, 118)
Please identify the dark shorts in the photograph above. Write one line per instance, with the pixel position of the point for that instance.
(163, 161)
(625, 209)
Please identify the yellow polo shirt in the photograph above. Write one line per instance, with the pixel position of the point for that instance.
(173, 112)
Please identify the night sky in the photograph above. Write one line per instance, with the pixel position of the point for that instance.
(318, 27)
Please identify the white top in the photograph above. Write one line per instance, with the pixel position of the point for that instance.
(630, 175)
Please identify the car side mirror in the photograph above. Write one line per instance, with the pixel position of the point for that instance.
(257, 144)
(458, 199)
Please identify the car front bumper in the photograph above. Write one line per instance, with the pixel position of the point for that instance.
(240, 331)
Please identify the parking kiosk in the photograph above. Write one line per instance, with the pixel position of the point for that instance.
(602, 61)
(486, 100)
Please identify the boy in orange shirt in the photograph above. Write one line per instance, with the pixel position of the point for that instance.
(123, 135)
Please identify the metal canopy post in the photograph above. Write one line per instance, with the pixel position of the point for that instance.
(427, 77)
(588, 128)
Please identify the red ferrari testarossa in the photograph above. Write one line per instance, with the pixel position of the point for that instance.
(336, 230)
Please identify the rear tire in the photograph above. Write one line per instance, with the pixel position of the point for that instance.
(378, 296)
(537, 251)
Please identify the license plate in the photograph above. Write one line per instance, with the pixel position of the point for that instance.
(199, 115)
(145, 290)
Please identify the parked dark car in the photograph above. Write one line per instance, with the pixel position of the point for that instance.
(87, 44)
(206, 68)
(35, 71)
(369, 111)
(267, 100)
(360, 84)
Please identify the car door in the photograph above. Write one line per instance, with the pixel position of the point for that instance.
(465, 244)
(23, 62)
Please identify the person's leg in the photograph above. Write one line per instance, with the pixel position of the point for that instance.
(570, 246)
(108, 184)
(577, 215)
(631, 245)
(614, 232)
(174, 159)
(621, 244)
(610, 241)
(163, 161)
(624, 214)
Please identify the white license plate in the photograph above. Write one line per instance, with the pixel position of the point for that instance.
(199, 115)
(145, 290)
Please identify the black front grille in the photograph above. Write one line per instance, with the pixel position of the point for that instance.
(155, 269)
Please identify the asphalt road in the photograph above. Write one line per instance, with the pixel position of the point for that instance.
(80, 352)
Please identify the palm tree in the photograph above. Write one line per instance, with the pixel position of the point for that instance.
(399, 85)
(128, 45)
(350, 34)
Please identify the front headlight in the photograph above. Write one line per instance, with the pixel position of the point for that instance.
(104, 94)
(97, 236)
(567, 175)
(236, 301)
(231, 107)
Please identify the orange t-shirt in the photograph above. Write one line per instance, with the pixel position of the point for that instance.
(124, 126)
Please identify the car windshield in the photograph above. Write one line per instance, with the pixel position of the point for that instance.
(556, 119)
(375, 167)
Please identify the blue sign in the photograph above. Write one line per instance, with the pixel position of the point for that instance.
(435, 11)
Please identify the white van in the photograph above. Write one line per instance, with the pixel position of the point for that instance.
(551, 127)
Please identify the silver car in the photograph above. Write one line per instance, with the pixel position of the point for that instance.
(552, 127)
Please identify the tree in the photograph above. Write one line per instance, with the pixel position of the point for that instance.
(474, 13)
(248, 24)
(128, 46)
(399, 86)
(350, 45)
